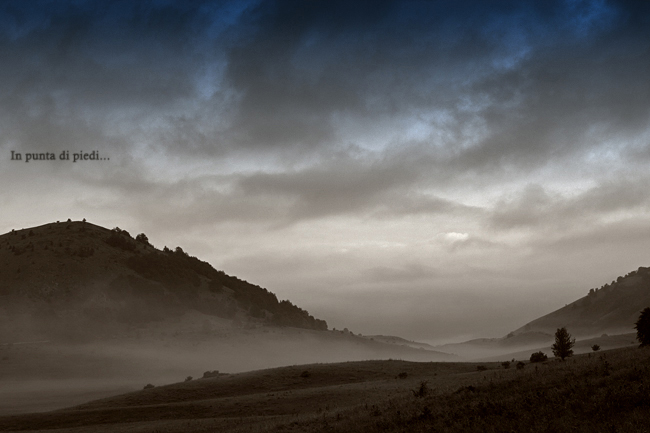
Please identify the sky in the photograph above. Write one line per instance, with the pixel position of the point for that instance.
(437, 170)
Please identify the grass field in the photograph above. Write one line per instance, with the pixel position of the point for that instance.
(601, 392)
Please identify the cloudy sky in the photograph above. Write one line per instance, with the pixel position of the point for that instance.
(437, 170)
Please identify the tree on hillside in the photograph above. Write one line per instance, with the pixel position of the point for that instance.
(142, 238)
(642, 327)
(563, 344)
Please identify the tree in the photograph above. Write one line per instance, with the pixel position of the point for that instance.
(563, 344)
(595, 348)
(142, 238)
(642, 327)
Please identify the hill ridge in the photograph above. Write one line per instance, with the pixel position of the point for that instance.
(77, 271)
(611, 309)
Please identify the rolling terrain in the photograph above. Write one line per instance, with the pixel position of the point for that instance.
(601, 392)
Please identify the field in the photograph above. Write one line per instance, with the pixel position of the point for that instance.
(598, 392)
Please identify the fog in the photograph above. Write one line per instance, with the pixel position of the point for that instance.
(39, 375)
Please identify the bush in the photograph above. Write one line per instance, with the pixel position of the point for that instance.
(213, 373)
(481, 368)
(520, 365)
(148, 386)
(595, 348)
(305, 374)
(402, 375)
(538, 357)
(121, 241)
(505, 364)
(642, 327)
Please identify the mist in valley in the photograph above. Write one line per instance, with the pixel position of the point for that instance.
(42, 371)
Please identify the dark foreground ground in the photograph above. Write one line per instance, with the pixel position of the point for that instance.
(599, 392)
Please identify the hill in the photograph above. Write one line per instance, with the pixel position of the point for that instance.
(611, 309)
(391, 339)
(62, 279)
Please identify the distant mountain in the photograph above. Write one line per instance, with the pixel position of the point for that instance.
(391, 339)
(76, 277)
(611, 309)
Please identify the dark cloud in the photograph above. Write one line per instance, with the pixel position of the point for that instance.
(112, 69)
(199, 79)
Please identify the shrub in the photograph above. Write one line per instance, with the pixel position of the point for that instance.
(481, 368)
(505, 364)
(118, 240)
(305, 374)
(148, 386)
(538, 357)
(213, 373)
(520, 365)
(642, 327)
(595, 348)
(188, 378)
(402, 375)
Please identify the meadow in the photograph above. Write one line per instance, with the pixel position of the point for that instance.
(603, 391)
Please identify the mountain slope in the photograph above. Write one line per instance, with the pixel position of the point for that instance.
(613, 309)
(67, 277)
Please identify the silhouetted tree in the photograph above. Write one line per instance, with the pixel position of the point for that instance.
(595, 348)
(563, 344)
(642, 327)
(142, 238)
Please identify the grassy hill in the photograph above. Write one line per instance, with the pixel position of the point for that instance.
(611, 309)
(61, 279)
(601, 392)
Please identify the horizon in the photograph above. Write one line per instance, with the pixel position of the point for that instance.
(433, 171)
